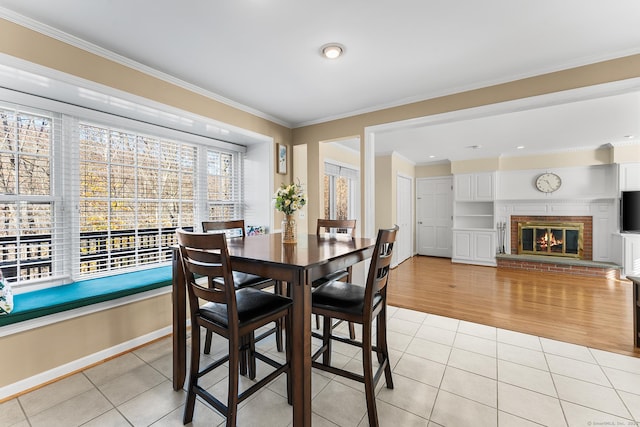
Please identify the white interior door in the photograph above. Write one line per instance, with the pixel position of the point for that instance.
(403, 248)
(434, 211)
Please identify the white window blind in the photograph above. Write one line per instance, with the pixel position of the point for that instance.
(31, 226)
(224, 185)
(85, 194)
(135, 190)
(341, 171)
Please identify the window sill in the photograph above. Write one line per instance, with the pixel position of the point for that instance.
(87, 294)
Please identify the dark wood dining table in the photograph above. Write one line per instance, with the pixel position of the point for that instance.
(312, 257)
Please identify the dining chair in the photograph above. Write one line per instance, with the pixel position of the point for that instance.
(232, 229)
(230, 312)
(343, 226)
(362, 305)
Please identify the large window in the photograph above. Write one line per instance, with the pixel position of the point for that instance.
(135, 190)
(28, 236)
(224, 186)
(340, 191)
(80, 198)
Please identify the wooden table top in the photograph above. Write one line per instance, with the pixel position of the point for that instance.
(310, 250)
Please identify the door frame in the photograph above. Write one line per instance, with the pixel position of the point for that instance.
(409, 245)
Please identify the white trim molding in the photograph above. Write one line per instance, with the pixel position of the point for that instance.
(79, 364)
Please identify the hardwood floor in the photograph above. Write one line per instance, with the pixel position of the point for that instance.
(588, 311)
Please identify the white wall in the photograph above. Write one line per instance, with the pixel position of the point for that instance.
(258, 185)
(585, 182)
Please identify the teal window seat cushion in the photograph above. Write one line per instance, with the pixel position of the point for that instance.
(30, 305)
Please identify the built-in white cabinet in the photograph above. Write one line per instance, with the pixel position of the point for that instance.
(475, 186)
(474, 237)
(629, 176)
(631, 254)
(629, 180)
(474, 247)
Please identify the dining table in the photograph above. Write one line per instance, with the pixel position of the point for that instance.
(298, 264)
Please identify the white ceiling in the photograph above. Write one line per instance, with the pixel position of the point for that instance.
(264, 56)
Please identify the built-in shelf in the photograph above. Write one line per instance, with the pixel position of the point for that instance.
(473, 215)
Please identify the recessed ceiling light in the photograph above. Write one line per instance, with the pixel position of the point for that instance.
(474, 147)
(432, 157)
(519, 147)
(628, 136)
(332, 50)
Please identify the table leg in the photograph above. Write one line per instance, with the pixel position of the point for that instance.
(301, 351)
(179, 308)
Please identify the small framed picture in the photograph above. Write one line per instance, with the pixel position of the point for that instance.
(282, 159)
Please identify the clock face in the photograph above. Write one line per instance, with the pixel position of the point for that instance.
(548, 182)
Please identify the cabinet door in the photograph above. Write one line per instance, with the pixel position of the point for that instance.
(475, 186)
(463, 187)
(631, 251)
(462, 241)
(484, 186)
(484, 246)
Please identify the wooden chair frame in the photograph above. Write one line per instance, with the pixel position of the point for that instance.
(374, 308)
(206, 256)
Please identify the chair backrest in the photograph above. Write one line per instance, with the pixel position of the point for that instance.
(205, 257)
(378, 276)
(347, 226)
(233, 228)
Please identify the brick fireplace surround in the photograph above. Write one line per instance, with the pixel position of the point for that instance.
(541, 263)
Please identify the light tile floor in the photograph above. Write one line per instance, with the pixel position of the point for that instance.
(446, 373)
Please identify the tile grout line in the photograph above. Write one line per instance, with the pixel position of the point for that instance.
(95, 386)
(613, 385)
(555, 387)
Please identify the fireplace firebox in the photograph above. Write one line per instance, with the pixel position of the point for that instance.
(564, 239)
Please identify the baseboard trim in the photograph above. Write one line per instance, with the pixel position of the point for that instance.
(12, 390)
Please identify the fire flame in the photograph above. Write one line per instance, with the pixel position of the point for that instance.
(548, 240)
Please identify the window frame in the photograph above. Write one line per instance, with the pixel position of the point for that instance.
(65, 185)
(334, 170)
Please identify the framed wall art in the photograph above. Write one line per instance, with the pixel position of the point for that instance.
(282, 159)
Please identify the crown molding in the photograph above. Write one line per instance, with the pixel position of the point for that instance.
(127, 62)
(480, 85)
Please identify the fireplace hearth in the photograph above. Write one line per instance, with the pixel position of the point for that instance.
(550, 262)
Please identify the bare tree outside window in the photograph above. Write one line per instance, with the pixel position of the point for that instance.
(26, 203)
(338, 192)
(223, 186)
(129, 193)
(134, 190)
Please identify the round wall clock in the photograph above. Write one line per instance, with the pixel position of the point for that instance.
(548, 182)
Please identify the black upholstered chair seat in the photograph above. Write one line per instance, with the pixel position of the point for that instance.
(252, 304)
(242, 280)
(341, 297)
(336, 275)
